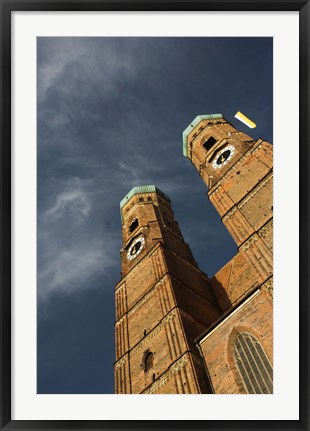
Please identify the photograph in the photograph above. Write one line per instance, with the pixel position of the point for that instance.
(154, 215)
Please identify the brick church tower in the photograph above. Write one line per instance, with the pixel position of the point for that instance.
(163, 302)
(177, 331)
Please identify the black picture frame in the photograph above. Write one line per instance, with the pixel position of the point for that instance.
(7, 7)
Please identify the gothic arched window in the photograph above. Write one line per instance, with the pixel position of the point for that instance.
(148, 361)
(253, 364)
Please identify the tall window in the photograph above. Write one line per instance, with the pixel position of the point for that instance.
(148, 361)
(253, 364)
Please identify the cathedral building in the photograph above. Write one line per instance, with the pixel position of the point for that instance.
(178, 331)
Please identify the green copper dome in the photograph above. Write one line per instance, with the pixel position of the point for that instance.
(142, 189)
(193, 124)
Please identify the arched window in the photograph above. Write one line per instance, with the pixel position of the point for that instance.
(253, 364)
(148, 361)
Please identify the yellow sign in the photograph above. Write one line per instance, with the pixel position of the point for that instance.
(245, 120)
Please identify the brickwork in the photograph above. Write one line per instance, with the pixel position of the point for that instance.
(243, 197)
(160, 288)
(251, 267)
(246, 174)
(156, 222)
(176, 330)
(234, 280)
(238, 225)
(254, 317)
(241, 191)
(224, 133)
(257, 207)
(266, 233)
(181, 377)
(150, 311)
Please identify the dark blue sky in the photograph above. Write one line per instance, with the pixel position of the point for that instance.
(111, 112)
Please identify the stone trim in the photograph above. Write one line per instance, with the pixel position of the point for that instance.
(256, 189)
(121, 301)
(266, 228)
(268, 285)
(260, 256)
(173, 369)
(121, 319)
(121, 361)
(250, 242)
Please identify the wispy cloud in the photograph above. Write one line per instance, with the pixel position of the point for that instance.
(73, 200)
(72, 268)
(76, 60)
(129, 174)
(51, 66)
(73, 247)
(110, 116)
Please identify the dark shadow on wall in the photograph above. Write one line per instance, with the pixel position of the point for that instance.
(221, 294)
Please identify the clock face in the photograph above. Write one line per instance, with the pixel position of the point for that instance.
(136, 247)
(223, 157)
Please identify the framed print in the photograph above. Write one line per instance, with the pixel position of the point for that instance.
(136, 293)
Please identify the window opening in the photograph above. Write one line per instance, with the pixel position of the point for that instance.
(133, 225)
(209, 143)
(253, 364)
(148, 361)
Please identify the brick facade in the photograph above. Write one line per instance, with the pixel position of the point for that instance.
(177, 331)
